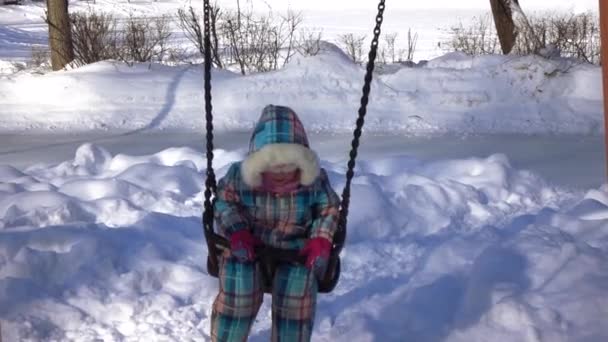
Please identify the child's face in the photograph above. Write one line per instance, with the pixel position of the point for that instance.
(283, 173)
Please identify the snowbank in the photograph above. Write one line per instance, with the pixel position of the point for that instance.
(454, 93)
(106, 247)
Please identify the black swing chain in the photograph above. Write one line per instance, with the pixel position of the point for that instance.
(342, 221)
(210, 183)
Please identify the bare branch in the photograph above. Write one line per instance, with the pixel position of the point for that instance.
(353, 46)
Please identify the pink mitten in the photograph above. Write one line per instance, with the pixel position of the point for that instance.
(242, 245)
(317, 251)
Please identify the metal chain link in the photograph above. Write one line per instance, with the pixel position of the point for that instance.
(210, 183)
(340, 235)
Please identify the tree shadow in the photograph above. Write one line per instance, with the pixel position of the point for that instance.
(170, 96)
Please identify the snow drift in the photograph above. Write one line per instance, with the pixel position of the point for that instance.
(453, 93)
(105, 247)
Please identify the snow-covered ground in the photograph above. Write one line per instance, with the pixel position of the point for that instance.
(570, 161)
(453, 93)
(478, 212)
(109, 247)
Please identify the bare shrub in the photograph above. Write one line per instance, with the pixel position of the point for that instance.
(389, 53)
(94, 37)
(259, 43)
(565, 34)
(247, 40)
(412, 41)
(353, 46)
(309, 42)
(573, 35)
(99, 36)
(478, 38)
(390, 49)
(144, 39)
(285, 37)
(193, 26)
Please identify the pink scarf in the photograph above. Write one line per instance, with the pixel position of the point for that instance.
(291, 183)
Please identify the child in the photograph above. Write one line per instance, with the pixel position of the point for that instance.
(278, 196)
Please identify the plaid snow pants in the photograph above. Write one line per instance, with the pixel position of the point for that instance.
(294, 297)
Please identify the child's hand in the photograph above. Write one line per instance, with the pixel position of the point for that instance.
(242, 245)
(317, 251)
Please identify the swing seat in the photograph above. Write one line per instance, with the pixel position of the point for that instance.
(269, 258)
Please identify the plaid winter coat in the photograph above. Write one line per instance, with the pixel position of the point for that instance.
(283, 220)
(279, 220)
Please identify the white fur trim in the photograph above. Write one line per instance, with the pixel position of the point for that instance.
(275, 154)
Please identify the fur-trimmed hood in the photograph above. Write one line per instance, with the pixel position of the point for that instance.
(279, 138)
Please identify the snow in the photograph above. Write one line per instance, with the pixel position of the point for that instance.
(110, 247)
(452, 93)
(476, 214)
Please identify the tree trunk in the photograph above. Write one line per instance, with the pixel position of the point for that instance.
(505, 27)
(604, 32)
(60, 37)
